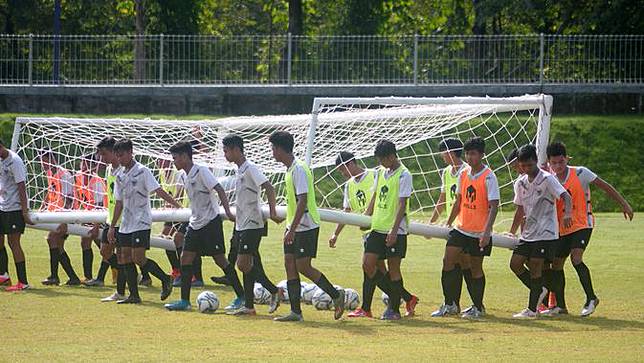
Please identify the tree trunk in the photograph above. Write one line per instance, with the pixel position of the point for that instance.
(139, 45)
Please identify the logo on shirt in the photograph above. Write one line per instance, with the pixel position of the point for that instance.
(452, 191)
(362, 198)
(470, 194)
(382, 196)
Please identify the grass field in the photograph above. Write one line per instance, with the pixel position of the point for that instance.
(69, 323)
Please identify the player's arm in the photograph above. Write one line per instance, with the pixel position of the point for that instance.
(224, 201)
(456, 209)
(118, 209)
(440, 206)
(517, 221)
(272, 201)
(24, 204)
(493, 210)
(338, 229)
(614, 195)
(167, 197)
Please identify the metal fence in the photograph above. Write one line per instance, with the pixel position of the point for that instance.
(296, 60)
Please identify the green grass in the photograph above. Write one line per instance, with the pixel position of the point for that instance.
(69, 323)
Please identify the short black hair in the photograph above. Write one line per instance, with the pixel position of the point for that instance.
(527, 152)
(512, 155)
(557, 148)
(182, 147)
(233, 140)
(475, 143)
(107, 142)
(283, 140)
(123, 145)
(452, 145)
(344, 157)
(384, 148)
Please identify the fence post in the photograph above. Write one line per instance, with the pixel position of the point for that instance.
(161, 59)
(30, 70)
(415, 59)
(541, 55)
(289, 58)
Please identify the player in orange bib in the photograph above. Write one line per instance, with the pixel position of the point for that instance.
(60, 196)
(574, 239)
(476, 207)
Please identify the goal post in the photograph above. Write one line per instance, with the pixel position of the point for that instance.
(415, 124)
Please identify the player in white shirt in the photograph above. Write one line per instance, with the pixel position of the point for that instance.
(60, 196)
(134, 184)
(250, 226)
(535, 195)
(14, 213)
(205, 235)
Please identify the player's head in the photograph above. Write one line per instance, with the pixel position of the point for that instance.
(557, 157)
(527, 159)
(451, 150)
(474, 151)
(2, 146)
(181, 154)
(48, 159)
(511, 158)
(386, 153)
(233, 147)
(346, 164)
(282, 143)
(105, 149)
(124, 150)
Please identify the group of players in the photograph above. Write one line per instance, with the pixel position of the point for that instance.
(553, 212)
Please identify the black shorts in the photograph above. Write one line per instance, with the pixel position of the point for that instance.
(469, 245)
(376, 243)
(247, 241)
(305, 244)
(12, 222)
(206, 241)
(138, 239)
(537, 249)
(578, 239)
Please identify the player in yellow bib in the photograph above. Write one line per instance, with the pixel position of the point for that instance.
(387, 240)
(451, 150)
(358, 192)
(302, 228)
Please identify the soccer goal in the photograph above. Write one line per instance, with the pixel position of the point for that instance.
(415, 125)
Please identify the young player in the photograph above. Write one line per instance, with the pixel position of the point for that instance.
(389, 211)
(14, 213)
(535, 195)
(474, 210)
(204, 236)
(574, 240)
(302, 230)
(60, 195)
(250, 225)
(451, 151)
(358, 192)
(134, 184)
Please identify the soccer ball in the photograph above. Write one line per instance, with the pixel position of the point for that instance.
(284, 287)
(351, 299)
(207, 302)
(262, 296)
(322, 301)
(385, 299)
(308, 290)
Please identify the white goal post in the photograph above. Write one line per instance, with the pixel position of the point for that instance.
(415, 125)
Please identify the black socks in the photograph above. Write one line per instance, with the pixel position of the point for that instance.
(294, 295)
(324, 284)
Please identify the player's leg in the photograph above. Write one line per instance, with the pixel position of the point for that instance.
(252, 238)
(450, 276)
(131, 274)
(307, 242)
(179, 238)
(579, 245)
(476, 284)
(368, 290)
(88, 257)
(232, 258)
(109, 260)
(19, 261)
(518, 261)
(167, 232)
(292, 285)
(5, 280)
(66, 263)
(54, 255)
(110, 249)
(558, 283)
(395, 280)
(140, 244)
(187, 259)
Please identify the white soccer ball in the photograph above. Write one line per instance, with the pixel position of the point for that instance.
(385, 299)
(322, 301)
(283, 285)
(308, 290)
(207, 302)
(351, 299)
(262, 296)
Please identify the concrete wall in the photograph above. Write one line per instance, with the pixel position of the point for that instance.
(259, 99)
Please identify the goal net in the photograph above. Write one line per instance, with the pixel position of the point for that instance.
(415, 125)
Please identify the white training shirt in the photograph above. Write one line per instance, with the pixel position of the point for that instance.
(404, 191)
(133, 188)
(302, 187)
(199, 183)
(248, 188)
(538, 199)
(491, 187)
(12, 172)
